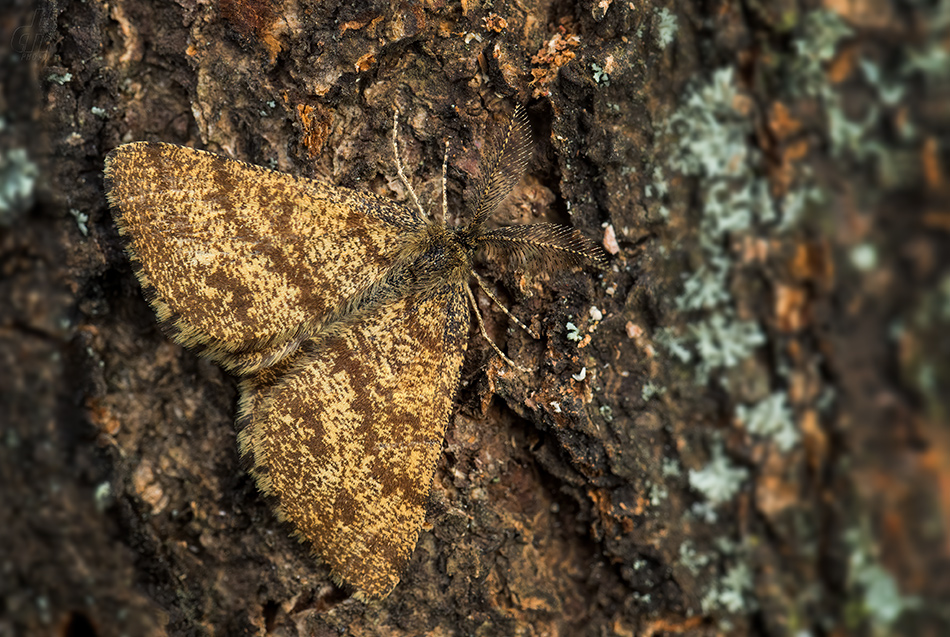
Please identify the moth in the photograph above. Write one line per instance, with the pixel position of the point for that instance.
(345, 314)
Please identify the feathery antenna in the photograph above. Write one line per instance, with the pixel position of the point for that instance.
(542, 246)
(502, 167)
(402, 175)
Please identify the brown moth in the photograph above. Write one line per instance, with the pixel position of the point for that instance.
(346, 315)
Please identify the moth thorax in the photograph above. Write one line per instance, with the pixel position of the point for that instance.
(439, 259)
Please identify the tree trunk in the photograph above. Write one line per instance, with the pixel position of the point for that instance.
(739, 427)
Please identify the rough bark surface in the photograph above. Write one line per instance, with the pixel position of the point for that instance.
(570, 500)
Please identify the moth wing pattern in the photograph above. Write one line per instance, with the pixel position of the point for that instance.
(240, 262)
(346, 436)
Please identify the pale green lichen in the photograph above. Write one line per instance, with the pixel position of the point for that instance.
(733, 593)
(103, 496)
(640, 598)
(710, 134)
(853, 133)
(60, 79)
(889, 93)
(863, 257)
(932, 61)
(876, 594)
(658, 493)
(850, 136)
(675, 345)
(693, 560)
(706, 288)
(732, 206)
(573, 333)
(723, 341)
(711, 142)
(943, 298)
(81, 220)
(794, 203)
(670, 468)
(928, 372)
(650, 390)
(18, 177)
(666, 27)
(659, 187)
(823, 30)
(719, 480)
(771, 418)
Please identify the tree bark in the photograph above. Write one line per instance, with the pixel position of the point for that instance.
(651, 475)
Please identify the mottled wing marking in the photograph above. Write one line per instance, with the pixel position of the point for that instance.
(347, 435)
(240, 261)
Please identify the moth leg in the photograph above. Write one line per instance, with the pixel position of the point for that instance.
(445, 195)
(402, 175)
(481, 284)
(481, 326)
